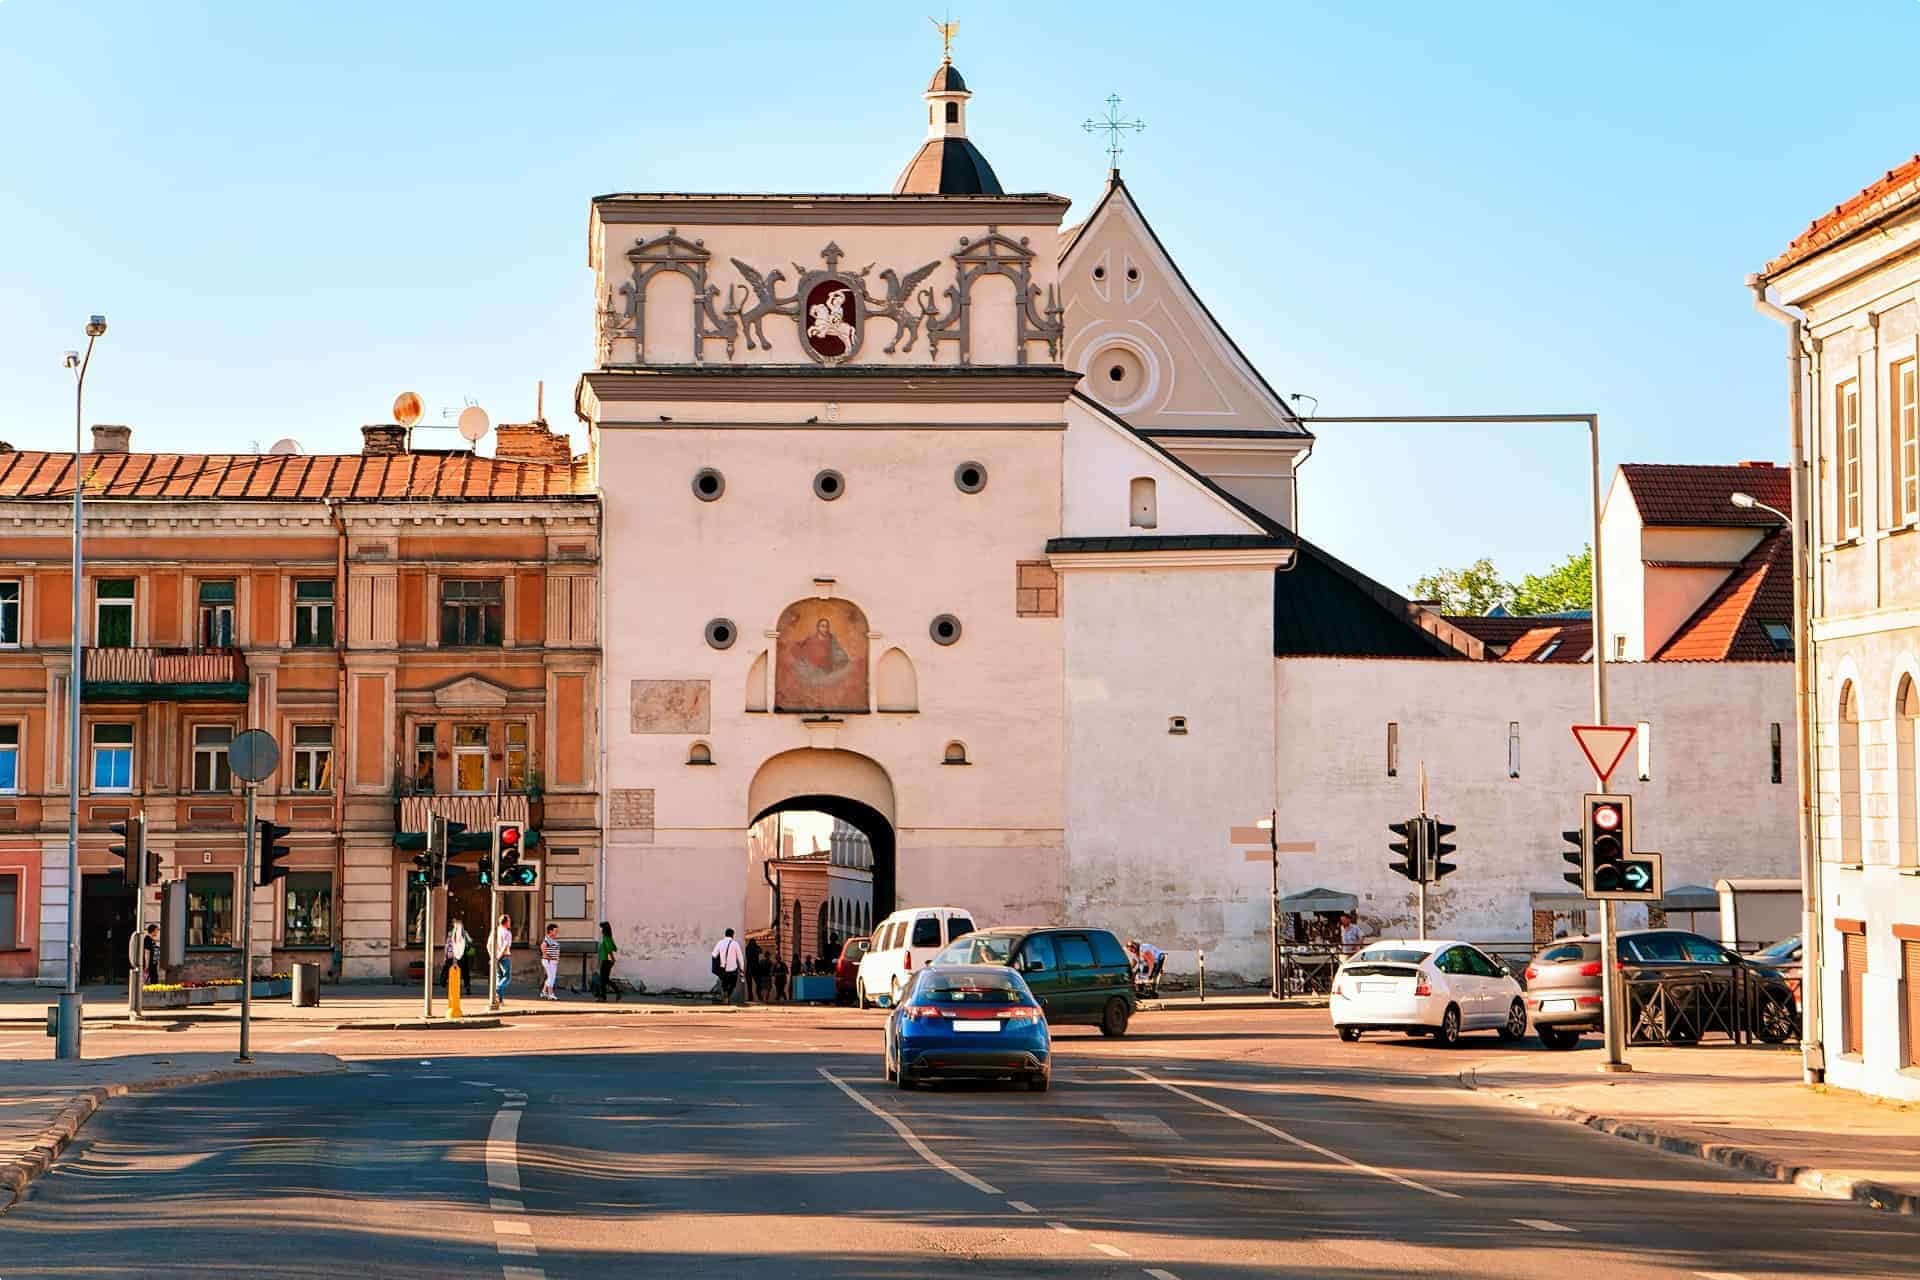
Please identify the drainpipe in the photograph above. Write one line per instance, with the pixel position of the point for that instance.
(1812, 979)
(340, 748)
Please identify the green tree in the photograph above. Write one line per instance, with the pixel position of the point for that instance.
(1474, 589)
(1562, 588)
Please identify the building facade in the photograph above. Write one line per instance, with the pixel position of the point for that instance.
(417, 630)
(1853, 280)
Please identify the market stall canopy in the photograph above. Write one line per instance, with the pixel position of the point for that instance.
(1318, 900)
(1691, 897)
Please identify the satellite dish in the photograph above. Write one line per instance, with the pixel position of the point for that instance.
(286, 444)
(406, 408)
(473, 423)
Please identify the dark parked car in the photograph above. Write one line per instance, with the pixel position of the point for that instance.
(1563, 983)
(1078, 975)
(846, 968)
(1785, 956)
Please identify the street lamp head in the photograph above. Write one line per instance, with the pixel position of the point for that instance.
(1744, 501)
(96, 325)
(73, 360)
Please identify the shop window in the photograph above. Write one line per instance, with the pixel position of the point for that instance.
(216, 614)
(313, 757)
(210, 910)
(313, 612)
(9, 759)
(417, 917)
(211, 771)
(308, 918)
(113, 613)
(9, 613)
(471, 611)
(113, 757)
(517, 756)
(470, 759)
(423, 759)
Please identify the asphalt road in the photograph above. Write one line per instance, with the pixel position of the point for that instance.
(1204, 1147)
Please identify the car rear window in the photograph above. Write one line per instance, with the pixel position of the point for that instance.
(926, 931)
(958, 927)
(1390, 955)
(971, 988)
(856, 947)
(1075, 951)
(978, 950)
(1657, 947)
(1563, 953)
(1107, 950)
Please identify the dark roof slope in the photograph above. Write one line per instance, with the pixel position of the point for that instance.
(948, 167)
(946, 79)
(268, 477)
(1676, 494)
(1530, 639)
(1730, 626)
(1325, 608)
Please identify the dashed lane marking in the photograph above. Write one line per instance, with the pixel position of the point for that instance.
(1719, 1275)
(1112, 1251)
(309, 1040)
(640, 1097)
(912, 1139)
(503, 1161)
(523, 1273)
(1284, 1136)
(511, 1227)
(1063, 1227)
(1541, 1224)
(1021, 1206)
(1158, 1274)
(1145, 1126)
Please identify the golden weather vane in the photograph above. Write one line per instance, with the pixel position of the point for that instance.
(948, 30)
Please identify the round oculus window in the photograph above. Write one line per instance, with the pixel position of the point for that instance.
(1120, 376)
(829, 485)
(721, 633)
(944, 629)
(970, 477)
(708, 484)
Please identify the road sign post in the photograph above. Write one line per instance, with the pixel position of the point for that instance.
(1604, 745)
(253, 756)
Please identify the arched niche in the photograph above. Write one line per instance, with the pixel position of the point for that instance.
(896, 687)
(757, 683)
(820, 657)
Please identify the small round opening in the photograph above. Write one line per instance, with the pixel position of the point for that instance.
(1099, 273)
(1116, 374)
(828, 485)
(700, 753)
(721, 633)
(1133, 273)
(970, 477)
(708, 484)
(944, 629)
(956, 753)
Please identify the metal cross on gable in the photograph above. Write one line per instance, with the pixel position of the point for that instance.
(1115, 128)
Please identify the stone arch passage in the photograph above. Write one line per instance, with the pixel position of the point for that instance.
(841, 784)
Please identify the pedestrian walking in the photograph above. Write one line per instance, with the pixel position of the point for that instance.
(453, 971)
(754, 991)
(608, 948)
(728, 960)
(150, 953)
(502, 957)
(550, 961)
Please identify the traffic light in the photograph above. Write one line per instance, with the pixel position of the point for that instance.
(1615, 869)
(508, 844)
(521, 875)
(484, 870)
(422, 873)
(132, 849)
(153, 862)
(1577, 856)
(1407, 847)
(1437, 849)
(269, 850)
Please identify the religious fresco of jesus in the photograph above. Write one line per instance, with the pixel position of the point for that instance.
(822, 657)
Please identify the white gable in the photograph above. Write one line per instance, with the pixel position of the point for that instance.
(1104, 459)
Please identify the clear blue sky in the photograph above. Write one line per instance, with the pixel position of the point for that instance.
(291, 213)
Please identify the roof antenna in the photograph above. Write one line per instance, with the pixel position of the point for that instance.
(1298, 396)
(540, 401)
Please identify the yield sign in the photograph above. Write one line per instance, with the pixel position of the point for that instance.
(1603, 745)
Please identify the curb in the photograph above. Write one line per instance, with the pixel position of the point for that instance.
(1875, 1195)
(16, 1174)
(1228, 1004)
(420, 1024)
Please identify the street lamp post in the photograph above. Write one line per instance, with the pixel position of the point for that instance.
(67, 1041)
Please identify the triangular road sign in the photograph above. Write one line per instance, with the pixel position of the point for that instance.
(1603, 745)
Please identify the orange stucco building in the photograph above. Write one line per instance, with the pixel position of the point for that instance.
(418, 630)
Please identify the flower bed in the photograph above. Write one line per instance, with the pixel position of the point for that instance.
(179, 995)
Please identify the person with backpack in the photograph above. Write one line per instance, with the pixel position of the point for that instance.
(728, 961)
(608, 949)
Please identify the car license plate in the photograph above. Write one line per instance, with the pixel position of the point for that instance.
(1556, 1006)
(1377, 986)
(975, 1024)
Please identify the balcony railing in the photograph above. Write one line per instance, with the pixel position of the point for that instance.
(477, 812)
(214, 671)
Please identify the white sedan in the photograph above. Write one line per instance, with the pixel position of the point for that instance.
(1426, 987)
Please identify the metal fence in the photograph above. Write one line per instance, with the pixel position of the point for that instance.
(1707, 1000)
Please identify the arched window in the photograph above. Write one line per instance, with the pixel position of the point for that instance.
(1143, 510)
(953, 113)
(895, 686)
(1906, 711)
(1850, 822)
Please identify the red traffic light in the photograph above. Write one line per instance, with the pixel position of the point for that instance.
(509, 836)
(1606, 817)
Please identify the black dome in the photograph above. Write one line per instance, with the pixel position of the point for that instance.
(946, 79)
(948, 167)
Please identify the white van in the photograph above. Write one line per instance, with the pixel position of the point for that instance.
(902, 945)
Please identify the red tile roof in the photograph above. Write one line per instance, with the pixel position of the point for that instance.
(1675, 494)
(252, 477)
(1897, 188)
(1523, 639)
(1730, 625)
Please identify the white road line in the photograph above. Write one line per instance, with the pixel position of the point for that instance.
(911, 1139)
(641, 1097)
(523, 1273)
(1284, 1136)
(1063, 1227)
(1148, 1126)
(1541, 1224)
(515, 1248)
(1021, 1206)
(1110, 1250)
(503, 1160)
(1158, 1274)
(309, 1040)
(500, 1204)
(1719, 1275)
(511, 1227)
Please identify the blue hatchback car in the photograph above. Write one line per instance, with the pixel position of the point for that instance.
(976, 1021)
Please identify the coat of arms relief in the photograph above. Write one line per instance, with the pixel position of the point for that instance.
(830, 306)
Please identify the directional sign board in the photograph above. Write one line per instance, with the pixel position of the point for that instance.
(1604, 745)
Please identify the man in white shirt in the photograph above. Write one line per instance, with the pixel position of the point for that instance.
(728, 961)
(502, 959)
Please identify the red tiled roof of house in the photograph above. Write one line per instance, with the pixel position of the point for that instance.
(267, 477)
(1731, 625)
(1677, 494)
(1524, 639)
(1897, 188)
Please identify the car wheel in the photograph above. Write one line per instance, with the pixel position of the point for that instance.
(904, 1081)
(1515, 1027)
(886, 1066)
(893, 993)
(1038, 1083)
(1777, 1022)
(1557, 1037)
(860, 995)
(1113, 1019)
(1349, 1034)
(1448, 1032)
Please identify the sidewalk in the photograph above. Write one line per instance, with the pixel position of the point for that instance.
(1744, 1108)
(1229, 1001)
(347, 1002)
(43, 1104)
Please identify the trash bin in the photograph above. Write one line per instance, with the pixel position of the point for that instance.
(306, 985)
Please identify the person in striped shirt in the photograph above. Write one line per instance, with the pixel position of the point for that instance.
(550, 960)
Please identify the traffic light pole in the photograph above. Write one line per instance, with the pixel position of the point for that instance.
(426, 948)
(1611, 1010)
(246, 931)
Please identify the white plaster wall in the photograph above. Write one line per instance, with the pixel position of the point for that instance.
(1102, 460)
(1150, 812)
(1673, 596)
(1622, 571)
(1257, 473)
(1709, 806)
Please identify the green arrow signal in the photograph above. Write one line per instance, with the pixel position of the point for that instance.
(1637, 876)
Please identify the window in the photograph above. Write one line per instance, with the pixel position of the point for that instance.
(1659, 948)
(517, 756)
(1643, 745)
(113, 613)
(1846, 419)
(1075, 951)
(313, 757)
(1036, 954)
(1393, 749)
(1479, 965)
(1107, 950)
(1906, 442)
(113, 757)
(1454, 960)
(953, 113)
(423, 759)
(471, 610)
(926, 931)
(1779, 635)
(1142, 507)
(9, 758)
(470, 759)
(211, 771)
(1701, 951)
(1619, 647)
(308, 921)
(313, 612)
(9, 911)
(1853, 989)
(1553, 647)
(958, 927)
(1849, 735)
(1905, 708)
(1773, 736)
(216, 614)
(1513, 748)
(210, 909)
(417, 917)
(9, 613)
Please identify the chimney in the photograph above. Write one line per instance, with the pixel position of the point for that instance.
(111, 437)
(530, 442)
(1758, 466)
(383, 439)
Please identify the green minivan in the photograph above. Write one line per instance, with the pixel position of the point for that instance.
(1081, 976)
